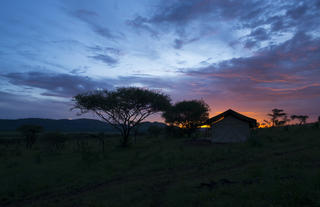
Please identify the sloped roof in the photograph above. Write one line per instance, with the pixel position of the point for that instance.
(252, 122)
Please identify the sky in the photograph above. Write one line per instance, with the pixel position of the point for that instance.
(249, 55)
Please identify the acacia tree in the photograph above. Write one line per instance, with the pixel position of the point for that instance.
(302, 118)
(276, 114)
(123, 108)
(187, 115)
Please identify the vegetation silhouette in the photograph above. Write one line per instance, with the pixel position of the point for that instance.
(30, 133)
(123, 108)
(275, 115)
(302, 118)
(188, 115)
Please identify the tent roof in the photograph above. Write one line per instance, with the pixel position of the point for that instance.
(252, 122)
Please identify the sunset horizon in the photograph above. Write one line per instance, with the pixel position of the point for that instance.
(247, 56)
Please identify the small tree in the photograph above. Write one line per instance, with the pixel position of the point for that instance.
(124, 108)
(301, 118)
(30, 132)
(276, 114)
(187, 115)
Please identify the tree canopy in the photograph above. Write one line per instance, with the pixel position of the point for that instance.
(302, 118)
(187, 114)
(276, 114)
(123, 108)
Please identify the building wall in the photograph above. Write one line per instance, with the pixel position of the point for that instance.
(230, 129)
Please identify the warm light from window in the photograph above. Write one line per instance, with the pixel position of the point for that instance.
(205, 126)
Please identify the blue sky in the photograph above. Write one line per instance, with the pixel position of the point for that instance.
(251, 56)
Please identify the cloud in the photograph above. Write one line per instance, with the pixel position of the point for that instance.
(68, 85)
(265, 20)
(179, 43)
(105, 58)
(79, 70)
(91, 18)
(21, 106)
(107, 55)
(181, 14)
(256, 37)
(56, 84)
(277, 73)
(110, 50)
(141, 24)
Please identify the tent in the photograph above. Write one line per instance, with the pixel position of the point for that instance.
(230, 126)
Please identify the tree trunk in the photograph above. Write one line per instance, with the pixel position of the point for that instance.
(125, 138)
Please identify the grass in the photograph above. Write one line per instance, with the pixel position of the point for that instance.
(274, 167)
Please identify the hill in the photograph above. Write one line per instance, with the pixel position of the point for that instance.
(65, 125)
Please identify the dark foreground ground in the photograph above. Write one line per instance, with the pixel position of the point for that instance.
(274, 168)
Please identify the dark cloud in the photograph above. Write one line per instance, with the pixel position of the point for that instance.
(68, 85)
(105, 58)
(108, 55)
(56, 84)
(259, 34)
(91, 18)
(205, 62)
(264, 19)
(182, 13)
(79, 70)
(278, 73)
(25, 106)
(110, 50)
(297, 12)
(179, 43)
(141, 24)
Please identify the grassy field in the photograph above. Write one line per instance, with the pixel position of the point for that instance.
(275, 167)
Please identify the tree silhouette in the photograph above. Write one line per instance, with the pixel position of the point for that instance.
(302, 118)
(187, 115)
(30, 133)
(276, 114)
(284, 121)
(123, 108)
(266, 123)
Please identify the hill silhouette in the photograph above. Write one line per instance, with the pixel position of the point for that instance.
(65, 125)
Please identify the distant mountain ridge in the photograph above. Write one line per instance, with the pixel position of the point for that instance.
(66, 125)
